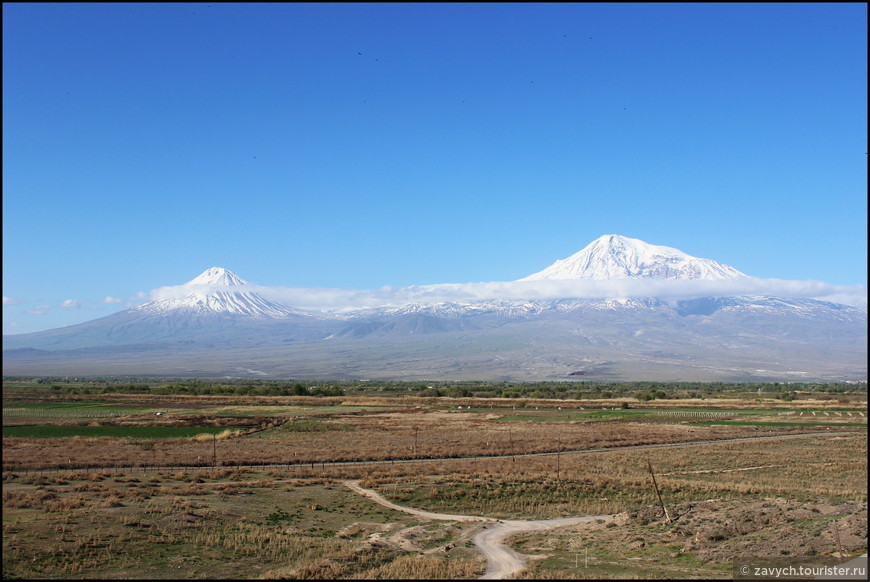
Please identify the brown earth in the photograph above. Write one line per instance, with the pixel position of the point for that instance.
(721, 531)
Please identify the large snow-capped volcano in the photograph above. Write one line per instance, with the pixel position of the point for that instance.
(216, 290)
(218, 325)
(613, 256)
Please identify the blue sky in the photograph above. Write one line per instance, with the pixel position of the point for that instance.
(353, 146)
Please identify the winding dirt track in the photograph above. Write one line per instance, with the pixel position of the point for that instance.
(501, 561)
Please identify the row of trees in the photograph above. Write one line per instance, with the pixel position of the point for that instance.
(559, 390)
(202, 389)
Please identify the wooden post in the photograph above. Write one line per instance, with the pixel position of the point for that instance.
(656, 485)
(511, 440)
(558, 453)
(214, 451)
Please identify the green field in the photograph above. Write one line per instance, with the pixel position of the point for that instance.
(52, 405)
(142, 432)
(68, 410)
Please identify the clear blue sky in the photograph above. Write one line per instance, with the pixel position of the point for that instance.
(361, 145)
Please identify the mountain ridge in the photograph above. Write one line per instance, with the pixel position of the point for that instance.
(218, 324)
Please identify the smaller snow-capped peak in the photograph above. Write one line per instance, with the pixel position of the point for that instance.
(217, 276)
(613, 256)
(216, 291)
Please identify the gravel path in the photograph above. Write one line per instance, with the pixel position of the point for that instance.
(501, 561)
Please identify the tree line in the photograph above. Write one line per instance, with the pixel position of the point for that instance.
(579, 390)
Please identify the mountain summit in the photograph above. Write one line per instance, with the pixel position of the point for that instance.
(619, 257)
(217, 276)
(215, 291)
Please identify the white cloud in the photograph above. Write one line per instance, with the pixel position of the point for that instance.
(39, 310)
(345, 299)
(71, 303)
(11, 301)
(547, 290)
(110, 299)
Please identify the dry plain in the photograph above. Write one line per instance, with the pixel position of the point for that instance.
(255, 490)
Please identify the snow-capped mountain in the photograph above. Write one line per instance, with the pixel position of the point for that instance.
(216, 291)
(619, 257)
(217, 325)
(217, 276)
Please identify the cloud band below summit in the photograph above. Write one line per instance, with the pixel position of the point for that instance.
(336, 299)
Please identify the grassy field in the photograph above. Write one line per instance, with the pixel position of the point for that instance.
(127, 519)
(301, 523)
(208, 525)
(130, 432)
(614, 481)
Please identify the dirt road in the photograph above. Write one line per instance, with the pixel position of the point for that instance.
(501, 561)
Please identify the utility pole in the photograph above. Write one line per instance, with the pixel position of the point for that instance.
(558, 454)
(214, 451)
(656, 485)
(415, 441)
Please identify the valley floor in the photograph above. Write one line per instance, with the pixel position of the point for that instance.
(796, 496)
